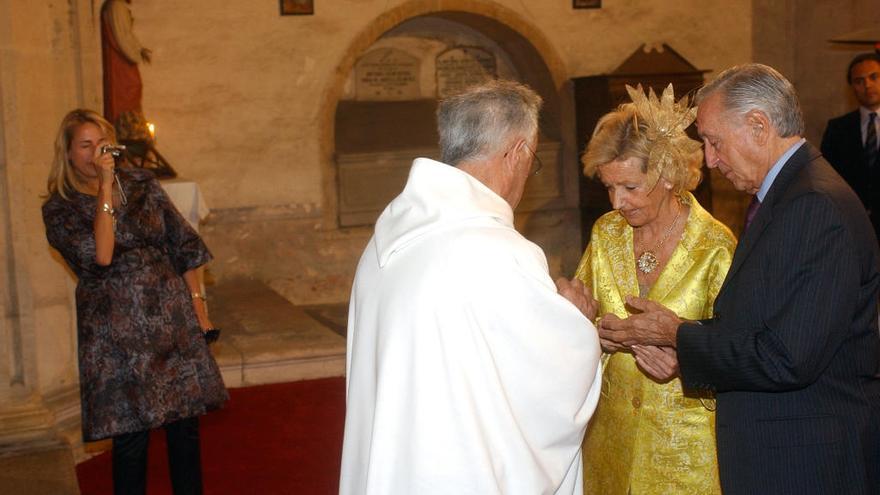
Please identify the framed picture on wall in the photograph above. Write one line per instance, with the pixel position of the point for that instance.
(297, 7)
(586, 4)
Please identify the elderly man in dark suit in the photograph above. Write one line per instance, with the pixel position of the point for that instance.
(793, 352)
(851, 141)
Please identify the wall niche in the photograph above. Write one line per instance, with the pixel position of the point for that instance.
(386, 116)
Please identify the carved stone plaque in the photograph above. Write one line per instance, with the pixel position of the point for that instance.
(463, 66)
(387, 74)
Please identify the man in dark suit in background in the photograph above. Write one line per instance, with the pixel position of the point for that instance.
(851, 143)
(793, 352)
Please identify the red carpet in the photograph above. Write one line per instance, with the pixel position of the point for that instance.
(272, 439)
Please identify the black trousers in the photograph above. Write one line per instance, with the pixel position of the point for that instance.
(184, 459)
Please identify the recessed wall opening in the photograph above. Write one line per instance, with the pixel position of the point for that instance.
(386, 114)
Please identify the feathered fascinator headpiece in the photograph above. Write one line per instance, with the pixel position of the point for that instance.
(665, 121)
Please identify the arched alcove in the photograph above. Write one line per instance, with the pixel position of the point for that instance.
(533, 56)
(385, 116)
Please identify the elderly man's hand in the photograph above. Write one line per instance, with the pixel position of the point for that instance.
(660, 363)
(653, 325)
(580, 295)
(610, 346)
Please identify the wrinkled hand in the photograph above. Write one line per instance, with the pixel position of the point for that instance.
(610, 346)
(660, 363)
(580, 295)
(654, 324)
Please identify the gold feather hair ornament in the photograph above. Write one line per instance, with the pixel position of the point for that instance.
(665, 122)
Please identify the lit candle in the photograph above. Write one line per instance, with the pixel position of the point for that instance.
(152, 130)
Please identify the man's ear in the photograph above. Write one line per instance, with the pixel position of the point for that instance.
(514, 149)
(759, 126)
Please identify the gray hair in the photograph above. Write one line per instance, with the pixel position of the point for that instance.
(479, 121)
(759, 87)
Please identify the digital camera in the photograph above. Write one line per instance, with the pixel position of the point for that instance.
(113, 149)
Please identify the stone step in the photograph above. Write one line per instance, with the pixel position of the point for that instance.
(41, 472)
(267, 339)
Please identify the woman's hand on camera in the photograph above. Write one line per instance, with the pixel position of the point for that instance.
(105, 166)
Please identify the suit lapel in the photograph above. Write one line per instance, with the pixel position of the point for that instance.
(802, 156)
(853, 134)
(749, 238)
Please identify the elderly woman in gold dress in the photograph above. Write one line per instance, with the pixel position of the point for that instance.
(648, 435)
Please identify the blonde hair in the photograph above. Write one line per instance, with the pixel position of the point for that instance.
(62, 178)
(624, 133)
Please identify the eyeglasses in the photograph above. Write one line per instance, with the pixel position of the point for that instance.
(537, 165)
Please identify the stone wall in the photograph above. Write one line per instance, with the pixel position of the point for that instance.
(794, 37)
(48, 64)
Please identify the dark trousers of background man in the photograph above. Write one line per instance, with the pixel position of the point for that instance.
(184, 459)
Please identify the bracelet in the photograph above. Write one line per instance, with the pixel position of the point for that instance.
(106, 208)
(198, 295)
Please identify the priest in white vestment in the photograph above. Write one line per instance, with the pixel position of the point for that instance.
(469, 371)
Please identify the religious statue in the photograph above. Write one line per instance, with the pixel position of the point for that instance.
(121, 54)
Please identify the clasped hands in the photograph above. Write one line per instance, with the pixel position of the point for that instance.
(649, 332)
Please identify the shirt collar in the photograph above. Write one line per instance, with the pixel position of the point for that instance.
(774, 171)
(864, 113)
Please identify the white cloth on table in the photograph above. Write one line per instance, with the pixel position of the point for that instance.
(467, 372)
(187, 197)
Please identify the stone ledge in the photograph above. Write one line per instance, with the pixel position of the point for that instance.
(39, 472)
(267, 339)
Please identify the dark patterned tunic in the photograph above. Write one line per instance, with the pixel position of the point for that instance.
(142, 359)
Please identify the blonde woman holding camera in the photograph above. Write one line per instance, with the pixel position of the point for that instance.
(142, 324)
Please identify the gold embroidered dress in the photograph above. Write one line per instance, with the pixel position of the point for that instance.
(645, 437)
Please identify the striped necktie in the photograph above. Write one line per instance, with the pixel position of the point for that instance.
(871, 141)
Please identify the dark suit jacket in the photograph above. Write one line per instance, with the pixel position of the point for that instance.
(843, 148)
(793, 351)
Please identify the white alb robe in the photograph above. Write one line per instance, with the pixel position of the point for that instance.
(467, 372)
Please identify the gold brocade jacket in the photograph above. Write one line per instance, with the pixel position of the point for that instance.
(646, 437)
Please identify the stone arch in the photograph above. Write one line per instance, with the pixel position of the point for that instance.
(462, 11)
